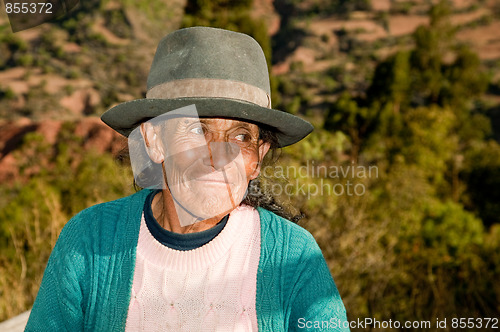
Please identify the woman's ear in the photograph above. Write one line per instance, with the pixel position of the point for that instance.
(263, 149)
(154, 146)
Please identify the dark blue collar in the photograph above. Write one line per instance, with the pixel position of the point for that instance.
(178, 241)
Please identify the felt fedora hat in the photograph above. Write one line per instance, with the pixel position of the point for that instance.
(224, 73)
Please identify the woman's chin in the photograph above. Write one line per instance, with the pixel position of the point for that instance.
(209, 206)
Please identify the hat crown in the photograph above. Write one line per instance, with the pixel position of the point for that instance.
(209, 53)
(223, 73)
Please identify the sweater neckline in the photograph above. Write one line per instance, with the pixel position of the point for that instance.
(178, 241)
(199, 258)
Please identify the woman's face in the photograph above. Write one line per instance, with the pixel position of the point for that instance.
(208, 162)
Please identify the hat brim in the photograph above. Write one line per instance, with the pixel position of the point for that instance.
(125, 117)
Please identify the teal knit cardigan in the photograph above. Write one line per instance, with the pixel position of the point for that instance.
(88, 279)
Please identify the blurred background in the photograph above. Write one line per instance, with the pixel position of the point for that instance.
(411, 88)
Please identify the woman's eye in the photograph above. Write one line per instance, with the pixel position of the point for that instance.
(242, 137)
(197, 131)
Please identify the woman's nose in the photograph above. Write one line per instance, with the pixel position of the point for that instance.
(221, 153)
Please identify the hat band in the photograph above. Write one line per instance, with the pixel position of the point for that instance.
(210, 88)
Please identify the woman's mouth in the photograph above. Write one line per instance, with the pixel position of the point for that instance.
(214, 177)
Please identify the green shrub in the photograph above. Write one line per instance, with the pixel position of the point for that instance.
(25, 60)
(7, 93)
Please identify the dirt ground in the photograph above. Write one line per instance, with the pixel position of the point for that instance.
(485, 40)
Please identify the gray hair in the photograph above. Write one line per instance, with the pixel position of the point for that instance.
(256, 195)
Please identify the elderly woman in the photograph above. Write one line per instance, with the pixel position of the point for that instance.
(193, 251)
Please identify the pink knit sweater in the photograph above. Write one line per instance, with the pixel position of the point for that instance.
(211, 288)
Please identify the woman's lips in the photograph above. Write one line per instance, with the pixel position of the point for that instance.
(215, 177)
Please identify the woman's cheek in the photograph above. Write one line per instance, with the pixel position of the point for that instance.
(251, 161)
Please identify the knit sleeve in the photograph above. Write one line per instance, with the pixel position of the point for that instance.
(88, 279)
(58, 305)
(315, 301)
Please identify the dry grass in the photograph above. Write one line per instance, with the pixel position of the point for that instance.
(17, 290)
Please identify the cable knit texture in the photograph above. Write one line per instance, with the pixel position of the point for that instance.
(88, 280)
(211, 288)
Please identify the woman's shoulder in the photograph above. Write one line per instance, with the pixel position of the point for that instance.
(130, 202)
(104, 217)
(290, 256)
(275, 228)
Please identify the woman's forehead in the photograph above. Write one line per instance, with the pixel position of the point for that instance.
(222, 123)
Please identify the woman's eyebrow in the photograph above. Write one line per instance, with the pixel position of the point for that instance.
(239, 124)
(244, 125)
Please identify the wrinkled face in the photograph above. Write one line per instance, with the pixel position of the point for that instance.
(208, 162)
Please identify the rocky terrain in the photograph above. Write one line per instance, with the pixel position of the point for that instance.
(75, 69)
